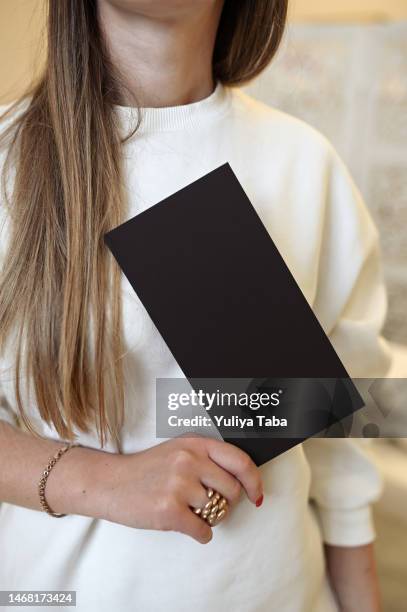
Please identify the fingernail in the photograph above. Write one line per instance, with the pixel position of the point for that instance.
(259, 501)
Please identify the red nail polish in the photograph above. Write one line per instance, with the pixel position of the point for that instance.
(259, 501)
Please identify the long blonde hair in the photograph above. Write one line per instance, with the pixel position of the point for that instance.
(59, 287)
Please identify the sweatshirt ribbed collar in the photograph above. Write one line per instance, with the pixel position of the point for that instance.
(173, 118)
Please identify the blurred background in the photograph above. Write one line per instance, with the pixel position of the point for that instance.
(342, 68)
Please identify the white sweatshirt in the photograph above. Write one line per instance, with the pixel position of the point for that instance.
(263, 559)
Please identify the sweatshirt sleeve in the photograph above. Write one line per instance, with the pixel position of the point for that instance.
(6, 412)
(351, 306)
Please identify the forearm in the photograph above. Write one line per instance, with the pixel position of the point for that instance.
(72, 486)
(152, 489)
(352, 572)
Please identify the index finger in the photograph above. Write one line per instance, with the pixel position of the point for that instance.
(237, 462)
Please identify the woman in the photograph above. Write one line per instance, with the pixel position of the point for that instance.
(80, 355)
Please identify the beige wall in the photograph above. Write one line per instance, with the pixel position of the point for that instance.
(21, 21)
(348, 10)
(20, 27)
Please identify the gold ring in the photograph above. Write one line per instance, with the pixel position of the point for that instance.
(215, 510)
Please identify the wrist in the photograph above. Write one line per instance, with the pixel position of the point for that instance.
(77, 484)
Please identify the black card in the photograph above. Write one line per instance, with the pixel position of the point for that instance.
(219, 292)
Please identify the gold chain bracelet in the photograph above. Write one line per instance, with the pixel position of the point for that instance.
(42, 484)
